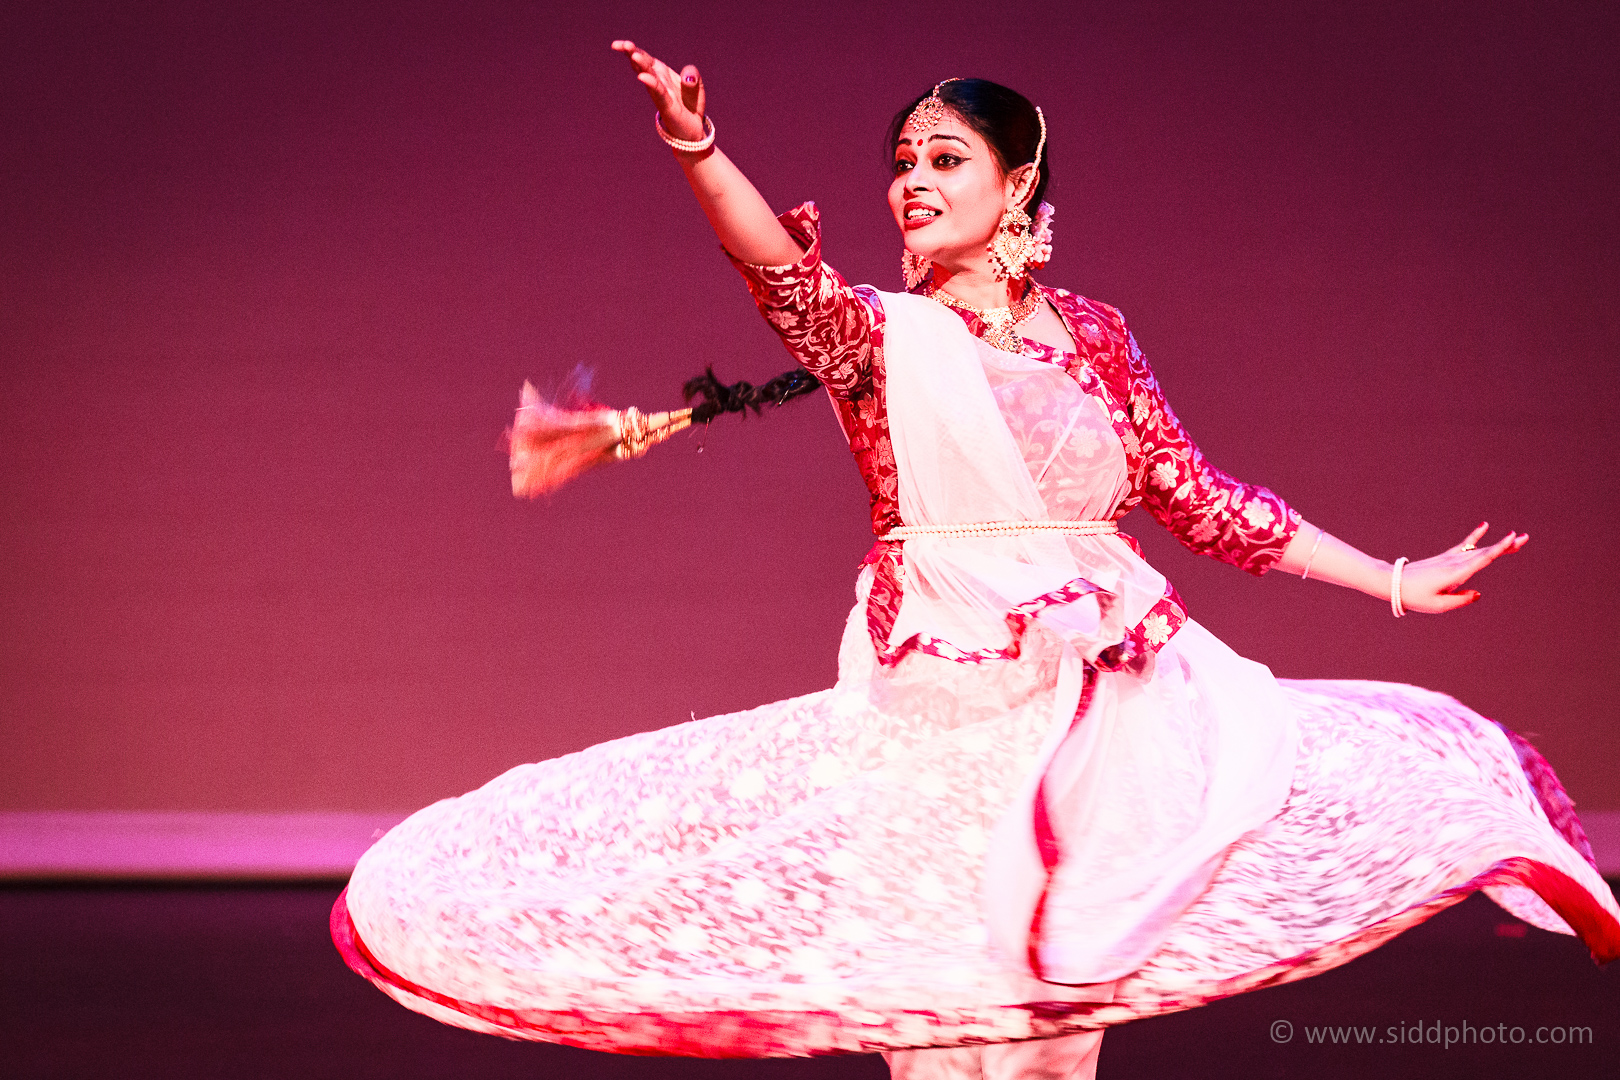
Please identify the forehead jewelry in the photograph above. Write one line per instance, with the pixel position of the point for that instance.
(930, 111)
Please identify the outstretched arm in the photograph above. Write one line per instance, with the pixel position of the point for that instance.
(1430, 585)
(741, 217)
(1252, 528)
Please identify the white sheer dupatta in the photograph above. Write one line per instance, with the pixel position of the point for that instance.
(958, 463)
(1146, 790)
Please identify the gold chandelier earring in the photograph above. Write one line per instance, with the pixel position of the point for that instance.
(1013, 247)
(915, 268)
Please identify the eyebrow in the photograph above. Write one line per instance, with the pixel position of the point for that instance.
(907, 142)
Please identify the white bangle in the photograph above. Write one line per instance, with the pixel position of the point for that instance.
(686, 146)
(1305, 574)
(1395, 604)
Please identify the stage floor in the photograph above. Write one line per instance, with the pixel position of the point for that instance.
(241, 982)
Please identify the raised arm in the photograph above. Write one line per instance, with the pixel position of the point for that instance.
(741, 217)
(829, 327)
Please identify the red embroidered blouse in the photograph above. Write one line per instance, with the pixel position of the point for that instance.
(836, 332)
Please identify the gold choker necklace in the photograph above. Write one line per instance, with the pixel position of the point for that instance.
(1000, 323)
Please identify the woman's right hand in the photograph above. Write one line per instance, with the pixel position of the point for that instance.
(741, 218)
(679, 98)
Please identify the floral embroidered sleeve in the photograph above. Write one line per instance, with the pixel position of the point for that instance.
(1209, 511)
(825, 324)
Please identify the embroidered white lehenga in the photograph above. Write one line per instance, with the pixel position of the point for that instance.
(861, 869)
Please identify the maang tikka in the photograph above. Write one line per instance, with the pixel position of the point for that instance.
(928, 115)
(930, 111)
(1019, 244)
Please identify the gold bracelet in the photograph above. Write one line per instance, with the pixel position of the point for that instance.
(1395, 604)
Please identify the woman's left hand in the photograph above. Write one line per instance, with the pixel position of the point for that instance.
(1436, 585)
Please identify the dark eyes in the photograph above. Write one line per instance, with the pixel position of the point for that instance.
(941, 161)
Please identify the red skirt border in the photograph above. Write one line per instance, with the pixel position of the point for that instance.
(728, 1034)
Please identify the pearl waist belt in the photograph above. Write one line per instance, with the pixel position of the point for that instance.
(1003, 528)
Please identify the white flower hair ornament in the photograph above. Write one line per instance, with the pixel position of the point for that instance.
(1041, 234)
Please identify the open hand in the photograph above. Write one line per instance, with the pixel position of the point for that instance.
(1436, 585)
(679, 98)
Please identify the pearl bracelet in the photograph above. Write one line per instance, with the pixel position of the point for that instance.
(686, 146)
(1395, 604)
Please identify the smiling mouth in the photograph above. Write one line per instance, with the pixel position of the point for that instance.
(920, 215)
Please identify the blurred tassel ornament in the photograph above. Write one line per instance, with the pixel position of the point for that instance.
(551, 443)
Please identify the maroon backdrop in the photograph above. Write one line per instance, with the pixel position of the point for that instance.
(272, 277)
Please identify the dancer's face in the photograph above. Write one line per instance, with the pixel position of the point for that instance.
(949, 192)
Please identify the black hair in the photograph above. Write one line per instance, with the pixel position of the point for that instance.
(1004, 118)
(740, 397)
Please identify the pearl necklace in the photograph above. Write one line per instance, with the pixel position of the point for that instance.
(1000, 322)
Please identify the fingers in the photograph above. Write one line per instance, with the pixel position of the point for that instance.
(1473, 538)
(1437, 584)
(645, 62)
(1475, 561)
(692, 89)
(1451, 595)
(639, 59)
(1452, 601)
(650, 71)
(1479, 560)
(1510, 542)
(670, 92)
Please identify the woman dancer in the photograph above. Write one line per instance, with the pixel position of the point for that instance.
(1041, 799)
